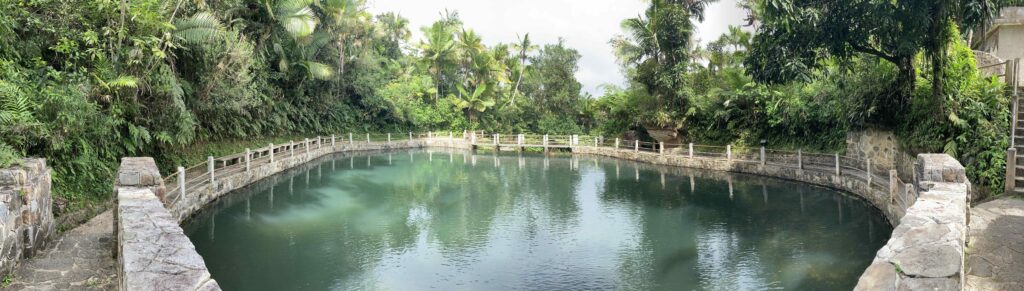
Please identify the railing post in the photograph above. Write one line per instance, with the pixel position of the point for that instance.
(319, 142)
(332, 142)
(763, 159)
(616, 143)
(306, 145)
(838, 168)
(728, 152)
(472, 138)
(367, 137)
(595, 142)
(248, 154)
(209, 168)
(410, 136)
(893, 185)
(271, 153)
(800, 159)
(1011, 171)
(497, 137)
(661, 148)
(389, 138)
(451, 136)
(868, 171)
(636, 145)
(690, 152)
(430, 134)
(181, 182)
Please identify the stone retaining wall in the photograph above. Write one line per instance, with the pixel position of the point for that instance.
(152, 249)
(926, 249)
(193, 201)
(883, 200)
(26, 217)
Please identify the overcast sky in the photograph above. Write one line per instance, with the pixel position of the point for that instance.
(586, 25)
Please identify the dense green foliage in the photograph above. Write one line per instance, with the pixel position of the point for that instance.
(814, 71)
(85, 82)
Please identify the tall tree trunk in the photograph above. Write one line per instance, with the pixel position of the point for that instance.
(938, 56)
(522, 66)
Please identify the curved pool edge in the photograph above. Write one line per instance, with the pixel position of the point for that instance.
(925, 250)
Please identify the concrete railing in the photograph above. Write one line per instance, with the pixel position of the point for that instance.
(26, 217)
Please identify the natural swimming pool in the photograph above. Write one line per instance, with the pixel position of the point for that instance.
(458, 221)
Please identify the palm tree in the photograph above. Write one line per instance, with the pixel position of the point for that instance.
(438, 48)
(524, 46)
(349, 18)
(472, 103)
(395, 27)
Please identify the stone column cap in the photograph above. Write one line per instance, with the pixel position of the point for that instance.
(139, 172)
(18, 173)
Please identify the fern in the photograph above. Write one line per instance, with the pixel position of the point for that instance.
(202, 27)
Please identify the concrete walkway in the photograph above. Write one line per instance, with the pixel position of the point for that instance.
(79, 260)
(995, 252)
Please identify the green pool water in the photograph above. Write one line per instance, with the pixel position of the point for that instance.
(457, 221)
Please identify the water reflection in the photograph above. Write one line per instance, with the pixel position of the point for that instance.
(532, 222)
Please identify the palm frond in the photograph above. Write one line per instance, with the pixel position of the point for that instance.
(200, 28)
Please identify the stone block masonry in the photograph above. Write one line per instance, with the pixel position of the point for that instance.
(926, 249)
(152, 250)
(26, 217)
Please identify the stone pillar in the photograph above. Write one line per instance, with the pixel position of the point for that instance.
(636, 146)
(209, 167)
(181, 183)
(800, 159)
(248, 153)
(661, 148)
(26, 211)
(350, 141)
(838, 168)
(306, 145)
(497, 138)
(291, 148)
(728, 152)
(893, 185)
(367, 137)
(410, 136)
(451, 136)
(430, 134)
(691, 150)
(271, 153)
(332, 142)
(763, 159)
(1011, 171)
(868, 171)
(616, 143)
(545, 143)
(389, 138)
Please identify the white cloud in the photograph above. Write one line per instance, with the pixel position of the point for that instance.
(586, 25)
